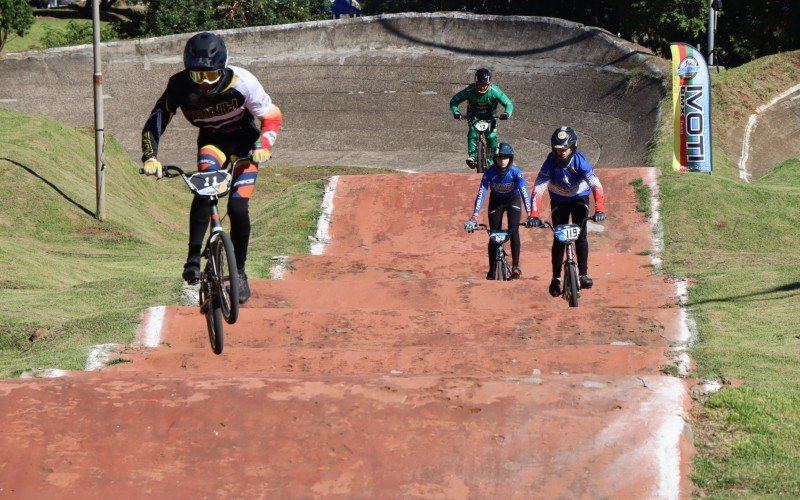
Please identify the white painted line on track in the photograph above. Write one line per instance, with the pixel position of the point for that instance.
(98, 357)
(667, 447)
(655, 219)
(277, 269)
(751, 123)
(323, 236)
(149, 333)
(668, 439)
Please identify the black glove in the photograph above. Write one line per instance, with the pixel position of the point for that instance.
(457, 115)
(503, 116)
(599, 216)
(533, 222)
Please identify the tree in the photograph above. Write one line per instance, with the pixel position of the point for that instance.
(16, 16)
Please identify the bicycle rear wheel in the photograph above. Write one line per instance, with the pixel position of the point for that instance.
(227, 276)
(571, 284)
(481, 156)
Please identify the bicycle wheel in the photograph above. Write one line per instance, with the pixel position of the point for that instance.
(227, 276)
(214, 322)
(499, 271)
(571, 284)
(481, 156)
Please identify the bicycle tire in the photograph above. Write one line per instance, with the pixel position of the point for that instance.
(215, 328)
(571, 284)
(481, 156)
(228, 277)
(499, 271)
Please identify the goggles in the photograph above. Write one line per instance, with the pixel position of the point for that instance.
(208, 76)
(482, 87)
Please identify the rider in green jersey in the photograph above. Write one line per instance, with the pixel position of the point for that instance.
(482, 98)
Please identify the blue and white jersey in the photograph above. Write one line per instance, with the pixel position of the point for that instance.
(575, 180)
(503, 185)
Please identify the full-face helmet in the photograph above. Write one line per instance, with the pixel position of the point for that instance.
(483, 78)
(564, 138)
(206, 59)
(504, 150)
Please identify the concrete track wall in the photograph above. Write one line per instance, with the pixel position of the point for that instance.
(374, 91)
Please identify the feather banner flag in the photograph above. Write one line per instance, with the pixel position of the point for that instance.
(691, 104)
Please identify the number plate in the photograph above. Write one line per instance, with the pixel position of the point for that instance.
(567, 233)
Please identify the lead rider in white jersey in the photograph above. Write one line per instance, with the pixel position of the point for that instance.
(236, 117)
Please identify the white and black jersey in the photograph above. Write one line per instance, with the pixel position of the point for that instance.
(229, 111)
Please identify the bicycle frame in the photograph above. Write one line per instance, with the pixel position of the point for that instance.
(219, 281)
(568, 234)
(481, 149)
(500, 237)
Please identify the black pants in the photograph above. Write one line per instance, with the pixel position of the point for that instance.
(497, 207)
(578, 209)
(237, 144)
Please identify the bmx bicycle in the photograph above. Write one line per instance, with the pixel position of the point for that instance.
(483, 127)
(501, 269)
(219, 281)
(569, 234)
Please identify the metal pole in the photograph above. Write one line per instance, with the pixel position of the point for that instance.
(711, 28)
(98, 113)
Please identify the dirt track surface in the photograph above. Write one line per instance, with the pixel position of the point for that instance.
(387, 367)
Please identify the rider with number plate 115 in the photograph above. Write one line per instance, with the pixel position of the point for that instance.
(505, 183)
(569, 177)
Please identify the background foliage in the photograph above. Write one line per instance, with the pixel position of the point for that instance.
(746, 29)
(16, 16)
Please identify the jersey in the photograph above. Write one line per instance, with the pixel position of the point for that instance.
(483, 105)
(567, 183)
(502, 185)
(230, 111)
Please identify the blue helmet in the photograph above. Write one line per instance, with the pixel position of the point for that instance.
(504, 149)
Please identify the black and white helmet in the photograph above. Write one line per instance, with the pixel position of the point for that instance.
(564, 138)
(483, 78)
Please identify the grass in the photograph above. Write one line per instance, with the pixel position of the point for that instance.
(643, 196)
(737, 243)
(71, 281)
(33, 39)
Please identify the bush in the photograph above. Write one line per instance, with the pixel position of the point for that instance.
(75, 33)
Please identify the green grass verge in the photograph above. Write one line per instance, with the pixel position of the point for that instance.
(33, 39)
(737, 243)
(643, 195)
(70, 281)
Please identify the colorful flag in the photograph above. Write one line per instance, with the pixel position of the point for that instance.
(691, 104)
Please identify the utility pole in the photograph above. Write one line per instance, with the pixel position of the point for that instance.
(98, 114)
(713, 8)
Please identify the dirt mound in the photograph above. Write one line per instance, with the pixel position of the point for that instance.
(374, 91)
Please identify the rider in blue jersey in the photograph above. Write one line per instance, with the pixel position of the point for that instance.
(505, 183)
(569, 177)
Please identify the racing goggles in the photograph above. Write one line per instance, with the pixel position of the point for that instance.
(482, 87)
(206, 76)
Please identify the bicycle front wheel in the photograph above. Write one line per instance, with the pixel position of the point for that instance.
(226, 280)
(499, 271)
(214, 323)
(571, 283)
(481, 156)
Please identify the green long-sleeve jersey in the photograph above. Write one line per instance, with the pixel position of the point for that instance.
(482, 105)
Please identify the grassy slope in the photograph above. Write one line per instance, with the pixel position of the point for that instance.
(70, 281)
(737, 243)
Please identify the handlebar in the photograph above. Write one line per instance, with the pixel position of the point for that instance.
(488, 230)
(170, 171)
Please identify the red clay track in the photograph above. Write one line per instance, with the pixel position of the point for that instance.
(387, 367)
